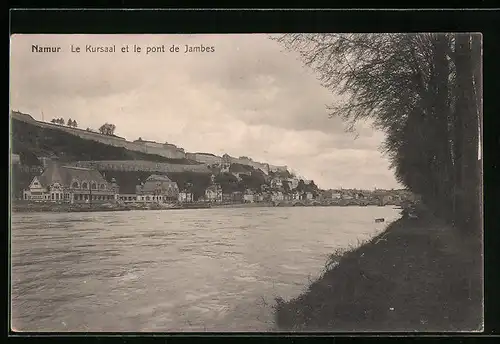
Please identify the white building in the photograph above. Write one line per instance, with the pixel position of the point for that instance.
(276, 183)
(185, 197)
(277, 196)
(249, 196)
(213, 193)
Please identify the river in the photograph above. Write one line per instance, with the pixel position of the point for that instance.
(174, 270)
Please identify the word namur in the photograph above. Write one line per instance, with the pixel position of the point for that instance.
(39, 49)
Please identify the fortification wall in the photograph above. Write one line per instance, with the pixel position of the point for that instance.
(140, 165)
(274, 168)
(249, 162)
(167, 151)
(205, 158)
(173, 153)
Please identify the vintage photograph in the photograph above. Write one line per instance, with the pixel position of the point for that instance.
(246, 183)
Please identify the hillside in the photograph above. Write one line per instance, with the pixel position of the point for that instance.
(31, 141)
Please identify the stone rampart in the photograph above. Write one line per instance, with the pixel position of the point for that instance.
(140, 165)
(167, 151)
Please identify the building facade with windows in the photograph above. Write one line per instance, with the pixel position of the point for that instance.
(213, 193)
(156, 189)
(68, 184)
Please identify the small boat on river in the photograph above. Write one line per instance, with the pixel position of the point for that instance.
(379, 220)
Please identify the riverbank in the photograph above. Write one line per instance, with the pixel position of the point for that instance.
(418, 275)
(31, 207)
(76, 208)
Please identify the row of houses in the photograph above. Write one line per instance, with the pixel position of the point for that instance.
(71, 184)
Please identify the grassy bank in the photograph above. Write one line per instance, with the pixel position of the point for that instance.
(417, 275)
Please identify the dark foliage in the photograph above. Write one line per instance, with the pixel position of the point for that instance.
(424, 92)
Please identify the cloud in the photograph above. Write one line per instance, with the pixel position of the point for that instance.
(246, 98)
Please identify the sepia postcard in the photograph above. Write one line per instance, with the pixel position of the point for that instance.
(246, 183)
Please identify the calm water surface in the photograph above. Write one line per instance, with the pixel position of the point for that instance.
(176, 270)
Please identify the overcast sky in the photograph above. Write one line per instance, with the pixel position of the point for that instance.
(249, 98)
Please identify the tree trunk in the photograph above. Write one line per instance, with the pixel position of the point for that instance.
(441, 111)
(466, 110)
(477, 58)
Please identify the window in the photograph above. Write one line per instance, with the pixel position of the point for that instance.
(84, 185)
(103, 186)
(75, 185)
(25, 196)
(57, 196)
(35, 183)
(52, 196)
(94, 186)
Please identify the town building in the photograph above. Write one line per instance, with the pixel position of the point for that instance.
(68, 184)
(277, 196)
(293, 182)
(331, 195)
(185, 197)
(232, 197)
(157, 189)
(276, 183)
(213, 193)
(248, 196)
(127, 198)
